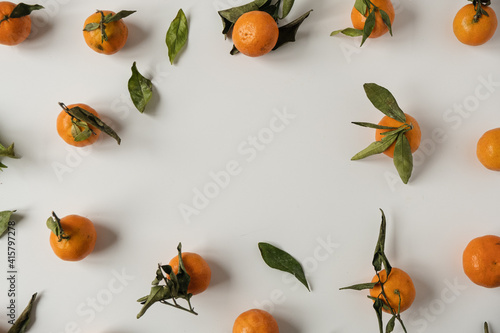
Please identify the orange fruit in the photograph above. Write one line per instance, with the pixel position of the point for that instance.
(197, 269)
(255, 33)
(358, 20)
(414, 135)
(481, 261)
(65, 124)
(488, 149)
(116, 32)
(474, 33)
(399, 284)
(13, 30)
(78, 240)
(255, 321)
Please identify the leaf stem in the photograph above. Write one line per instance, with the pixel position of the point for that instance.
(104, 37)
(62, 235)
(5, 18)
(190, 310)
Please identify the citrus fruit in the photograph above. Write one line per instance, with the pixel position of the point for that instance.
(481, 261)
(414, 135)
(255, 321)
(488, 149)
(358, 19)
(255, 33)
(12, 30)
(474, 32)
(398, 286)
(114, 37)
(197, 269)
(66, 127)
(76, 238)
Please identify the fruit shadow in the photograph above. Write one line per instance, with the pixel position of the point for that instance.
(136, 36)
(40, 29)
(403, 23)
(219, 274)
(286, 326)
(106, 238)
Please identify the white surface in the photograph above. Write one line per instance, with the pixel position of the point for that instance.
(300, 191)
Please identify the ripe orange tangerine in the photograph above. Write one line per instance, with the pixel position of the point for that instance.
(255, 33)
(474, 33)
(358, 20)
(481, 261)
(488, 149)
(399, 284)
(197, 269)
(65, 127)
(13, 31)
(255, 321)
(116, 34)
(414, 135)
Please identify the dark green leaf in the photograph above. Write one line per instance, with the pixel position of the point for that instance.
(182, 276)
(23, 9)
(2, 166)
(22, 322)
(403, 159)
(231, 15)
(369, 26)
(287, 32)
(351, 32)
(287, 7)
(379, 256)
(272, 9)
(140, 89)
(360, 6)
(370, 125)
(7, 152)
(386, 19)
(177, 35)
(4, 220)
(78, 133)
(85, 116)
(375, 147)
(377, 305)
(281, 260)
(118, 16)
(384, 101)
(390, 325)
(361, 286)
(92, 27)
(234, 51)
(157, 294)
(486, 328)
(54, 226)
(385, 306)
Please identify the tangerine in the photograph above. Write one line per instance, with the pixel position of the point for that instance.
(109, 40)
(255, 321)
(398, 288)
(76, 239)
(66, 123)
(358, 19)
(471, 31)
(197, 269)
(13, 31)
(255, 33)
(414, 135)
(481, 261)
(488, 149)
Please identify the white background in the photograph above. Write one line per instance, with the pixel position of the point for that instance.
(299, 192)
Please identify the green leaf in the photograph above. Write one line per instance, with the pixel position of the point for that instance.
(376, 147)
(77, 132)
(156, 294)
(361, 286)
(403, 159)
(23, 9)
(54, 226)
(379, 256)
(281, 260)
(486, 328)
(177, 35)
(384, 101)
(118, 16)
(371, 125)
(288, 32)
(4, 221)
(92, 26)
(390, 325)
(378, 305)
(231, 15)
(361, 6)
(22, 322)
(386, 19)
(272, 9)
(140, 89)
(369, 26)
(89, 118)
(2, 166)
(351, 32)
(287, 7)
(7, 152)
(182, 276)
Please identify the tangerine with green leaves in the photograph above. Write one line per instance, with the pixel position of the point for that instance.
(414, 135)
(255, 33)
(399, 290)
(255, 321)
(488, 149)
(358, 19)
(15, 23)
(73, 237)
(475, 24)
(105, 32)
(197, 269)
(481, 261)
(68, 128)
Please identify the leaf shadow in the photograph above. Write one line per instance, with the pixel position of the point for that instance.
(106, 237)
(40, 29)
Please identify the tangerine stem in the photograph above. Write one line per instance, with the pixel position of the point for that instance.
(104, 37)
(62, 235)
(5, 18)
(179, 307)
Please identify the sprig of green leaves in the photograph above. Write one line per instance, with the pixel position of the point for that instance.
(369, 10)
(173, 288)
(23, 9)
(287, 33)
(380, 262)
(385, 102)
(106, 19)
(177, 35)
(7, 152)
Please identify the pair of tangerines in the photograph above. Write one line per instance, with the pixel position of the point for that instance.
(104, 31)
